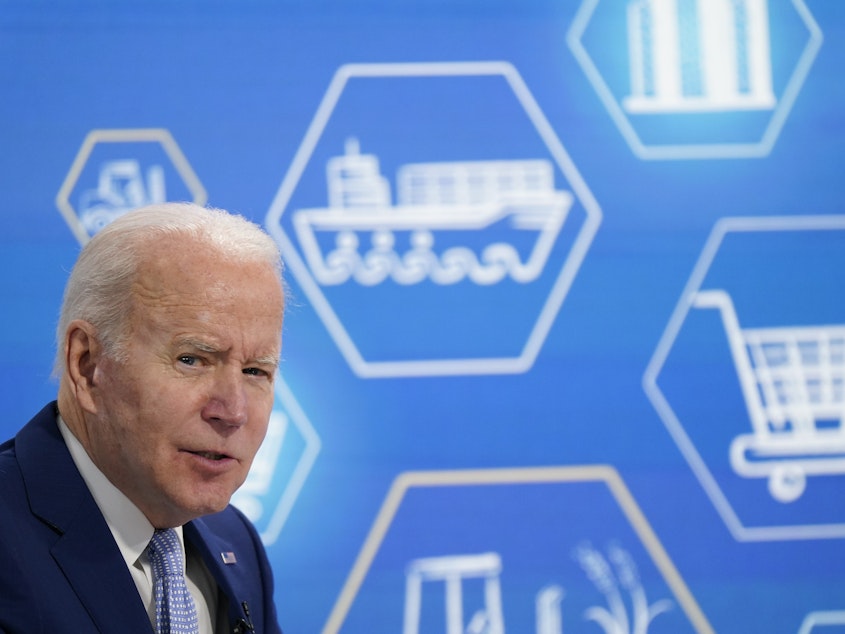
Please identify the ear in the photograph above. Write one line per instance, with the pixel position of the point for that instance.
(83, 355)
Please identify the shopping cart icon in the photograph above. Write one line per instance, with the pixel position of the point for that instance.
(793, 382)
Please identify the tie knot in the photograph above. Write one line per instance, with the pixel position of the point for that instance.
(166, 553)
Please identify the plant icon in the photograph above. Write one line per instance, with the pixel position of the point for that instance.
(611, 578)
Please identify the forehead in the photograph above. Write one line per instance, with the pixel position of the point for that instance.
(189, 277)
(188, 264)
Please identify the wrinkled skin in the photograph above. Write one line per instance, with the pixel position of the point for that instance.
(177, 425)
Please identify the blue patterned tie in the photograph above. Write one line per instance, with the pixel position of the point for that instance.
(175, 609)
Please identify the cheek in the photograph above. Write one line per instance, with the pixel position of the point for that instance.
(258, 430)
(136, 427)
(118, 391)
(261, 405)
(257, 435)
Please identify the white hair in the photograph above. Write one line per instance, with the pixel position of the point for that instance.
(99, 289)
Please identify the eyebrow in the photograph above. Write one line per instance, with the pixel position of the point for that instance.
(199, 345)
(270, 360)
(202, 346)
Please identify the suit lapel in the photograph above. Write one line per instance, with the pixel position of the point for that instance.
(229, 576)
(95, 568)
(84, 548)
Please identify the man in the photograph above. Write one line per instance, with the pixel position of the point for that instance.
(168, 345)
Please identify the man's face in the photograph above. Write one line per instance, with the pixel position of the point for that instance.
(178, 424)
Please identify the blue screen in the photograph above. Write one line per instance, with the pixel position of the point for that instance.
(564, 348)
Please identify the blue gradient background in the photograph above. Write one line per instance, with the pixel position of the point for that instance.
(238, 83)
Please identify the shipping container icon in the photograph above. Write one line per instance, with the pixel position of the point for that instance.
(793, 382)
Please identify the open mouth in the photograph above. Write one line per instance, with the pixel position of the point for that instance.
(210, 455)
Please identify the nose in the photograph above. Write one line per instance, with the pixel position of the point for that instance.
(227, 400)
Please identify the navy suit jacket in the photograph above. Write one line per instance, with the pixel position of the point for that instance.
(60, 568)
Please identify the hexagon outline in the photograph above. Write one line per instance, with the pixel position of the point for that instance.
(441, 367)
(130, 135)
(664, 346)
(825, 617)
(760, 149)
(518, 475)
(303, 466)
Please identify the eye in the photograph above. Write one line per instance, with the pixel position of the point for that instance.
(255, 372)
(187, 359)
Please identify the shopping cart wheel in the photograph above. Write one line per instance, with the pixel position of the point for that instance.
(787, 483)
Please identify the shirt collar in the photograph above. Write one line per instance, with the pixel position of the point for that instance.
(130, 528)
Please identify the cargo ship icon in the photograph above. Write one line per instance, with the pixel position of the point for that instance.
(480, 221)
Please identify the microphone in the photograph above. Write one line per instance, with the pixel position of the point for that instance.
(244, 625)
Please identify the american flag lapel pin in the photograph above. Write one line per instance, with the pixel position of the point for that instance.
(229, 557)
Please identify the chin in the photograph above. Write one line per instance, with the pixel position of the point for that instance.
(207, 505)
(201, 498)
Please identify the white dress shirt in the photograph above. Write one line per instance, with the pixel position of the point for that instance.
(132, 532)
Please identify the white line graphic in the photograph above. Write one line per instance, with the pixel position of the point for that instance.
(452, 571)
(433, 198)
(699, 56)
(722, 229)
(793, 381)
(751, 74)
(120, 187)
(823, 618)
(300, 263)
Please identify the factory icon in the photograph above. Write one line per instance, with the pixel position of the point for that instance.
(703, 55)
